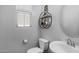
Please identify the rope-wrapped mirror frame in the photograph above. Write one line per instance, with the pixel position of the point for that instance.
(45, 18)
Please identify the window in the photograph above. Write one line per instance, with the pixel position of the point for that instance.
(23, 17)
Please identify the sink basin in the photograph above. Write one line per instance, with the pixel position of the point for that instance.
(62, 47)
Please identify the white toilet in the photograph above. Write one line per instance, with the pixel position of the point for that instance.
(43, 44)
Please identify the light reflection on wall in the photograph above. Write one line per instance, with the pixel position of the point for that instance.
(70, 21)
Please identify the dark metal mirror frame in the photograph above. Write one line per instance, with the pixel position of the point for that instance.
(45, 18)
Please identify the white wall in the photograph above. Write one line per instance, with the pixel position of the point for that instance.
(11, 37)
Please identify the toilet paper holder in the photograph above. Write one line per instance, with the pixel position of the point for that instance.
(25, 41)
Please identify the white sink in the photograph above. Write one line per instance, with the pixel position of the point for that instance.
(62, 47)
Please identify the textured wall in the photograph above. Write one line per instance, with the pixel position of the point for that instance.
(11, 37)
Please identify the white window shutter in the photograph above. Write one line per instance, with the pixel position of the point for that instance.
(27, 19)
(20, 19)
(23, 15)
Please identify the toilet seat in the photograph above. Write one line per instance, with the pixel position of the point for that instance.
(35, 50)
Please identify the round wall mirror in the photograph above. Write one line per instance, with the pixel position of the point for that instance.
(45, 18)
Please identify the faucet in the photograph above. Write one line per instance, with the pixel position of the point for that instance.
(73, 44)
(70, 42)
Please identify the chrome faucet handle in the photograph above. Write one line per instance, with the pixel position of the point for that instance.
(69, 41)
(73, 44)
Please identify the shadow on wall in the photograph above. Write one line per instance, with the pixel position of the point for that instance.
(70, 21)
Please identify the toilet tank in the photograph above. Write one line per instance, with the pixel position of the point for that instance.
(43, 44)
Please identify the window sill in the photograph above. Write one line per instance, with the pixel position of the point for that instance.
(23, 26)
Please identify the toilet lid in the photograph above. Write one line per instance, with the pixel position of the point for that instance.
(35, 50)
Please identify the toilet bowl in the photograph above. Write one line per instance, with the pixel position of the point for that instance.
(43, 45)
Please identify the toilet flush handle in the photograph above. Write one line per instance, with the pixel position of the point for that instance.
(25, 41)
